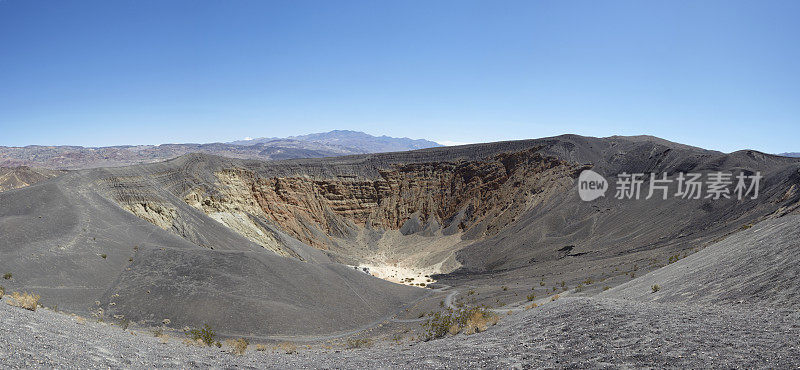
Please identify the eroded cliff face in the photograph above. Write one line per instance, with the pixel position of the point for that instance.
(407, 221)
(477, 198)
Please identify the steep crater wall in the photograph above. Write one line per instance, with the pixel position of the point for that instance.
(477, 198)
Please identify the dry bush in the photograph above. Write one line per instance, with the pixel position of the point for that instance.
(655, 288)
(2, 291)
(468, 320)
(359, 343)
(25, 300)
(532, 305)
(193, 342)
(238, 346)
(288, 348)
(479, 321)
(554, 298)
(261, 347)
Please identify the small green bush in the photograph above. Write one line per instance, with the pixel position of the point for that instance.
(8, 275)
(531, 297)
(103, 256)
(206, 334)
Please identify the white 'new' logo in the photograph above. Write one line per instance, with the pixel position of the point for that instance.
(591, 185)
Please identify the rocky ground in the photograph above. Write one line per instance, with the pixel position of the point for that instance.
(570, 332)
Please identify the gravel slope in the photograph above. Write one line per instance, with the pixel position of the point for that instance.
(571, 332)
(756, 266)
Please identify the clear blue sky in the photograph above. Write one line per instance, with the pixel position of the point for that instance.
(723, 75)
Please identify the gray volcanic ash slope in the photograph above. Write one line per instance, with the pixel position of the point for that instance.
(626, 326)
(754, 267)
(70, 241)
(252, 247)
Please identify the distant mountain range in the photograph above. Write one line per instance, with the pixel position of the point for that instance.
(327, 144)
(790, 154)
(355, 141)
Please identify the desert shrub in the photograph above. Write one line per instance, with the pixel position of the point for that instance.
(531, 297)
(532, 305)
(471, 292)
(261, 347)
(206, 334)
(28, 301)
(2, 291)
(8, 275)
(579, 288)
(452, 322)
(218, 344)
(158, 332)
(675, 258)
(655, 288)
(238, 346)
(397, 338)
(103, 256)
(359, 343)
(479, 321)
(554, 298)
(745, 227)
(288, 348)
(505, 288)
(588, 281)
(541, 283)
(606, 288)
